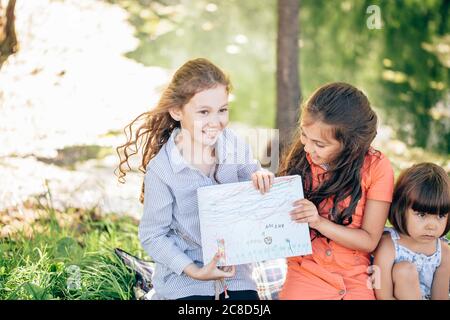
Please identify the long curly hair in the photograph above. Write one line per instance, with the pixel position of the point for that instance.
(150, 131)
(354, 123)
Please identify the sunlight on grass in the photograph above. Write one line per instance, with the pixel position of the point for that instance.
(44, 264)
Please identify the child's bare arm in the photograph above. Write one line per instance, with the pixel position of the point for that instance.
(364, 239)
(383, 263)
(439, 289)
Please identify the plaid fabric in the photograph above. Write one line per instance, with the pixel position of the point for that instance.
(269, 277)
(143, 272)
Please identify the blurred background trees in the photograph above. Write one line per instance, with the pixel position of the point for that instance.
(288, 87)
(402, 66)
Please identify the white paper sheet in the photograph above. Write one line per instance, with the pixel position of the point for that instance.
(246, 226)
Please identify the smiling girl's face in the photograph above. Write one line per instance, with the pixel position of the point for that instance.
(319, 141)
(205, 116)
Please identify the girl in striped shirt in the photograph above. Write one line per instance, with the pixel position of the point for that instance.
(185, 145)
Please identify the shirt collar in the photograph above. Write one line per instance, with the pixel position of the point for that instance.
(176, 160)
(324, 167)
(178, 163)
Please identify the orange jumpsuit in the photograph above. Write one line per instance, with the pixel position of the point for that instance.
(334, 272)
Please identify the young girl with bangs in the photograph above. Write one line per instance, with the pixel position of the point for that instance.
(413, 258)
(348, 189)
(185, 145)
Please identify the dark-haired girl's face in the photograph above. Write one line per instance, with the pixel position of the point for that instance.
(423, 227)
(319, 142)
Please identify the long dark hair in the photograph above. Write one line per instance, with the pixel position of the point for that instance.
(354, 123)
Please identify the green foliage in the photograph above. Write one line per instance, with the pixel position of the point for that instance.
(416, 79)
(239, 36)
(74, 261)
(403, 67)
(399, 65)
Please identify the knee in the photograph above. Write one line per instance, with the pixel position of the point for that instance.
(405, 271)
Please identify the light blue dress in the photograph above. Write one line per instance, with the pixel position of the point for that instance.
(426, 265)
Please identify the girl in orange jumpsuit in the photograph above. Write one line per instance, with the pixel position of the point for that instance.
(348, 189)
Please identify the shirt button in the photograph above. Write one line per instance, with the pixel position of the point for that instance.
(342, 292)
(328, 252)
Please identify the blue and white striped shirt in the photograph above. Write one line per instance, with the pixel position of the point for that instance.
(169, 230)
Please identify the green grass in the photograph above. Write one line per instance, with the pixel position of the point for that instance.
(70, 255)
(73, 260)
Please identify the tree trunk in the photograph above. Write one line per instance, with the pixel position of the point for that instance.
(288, 88)
(8, 40)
